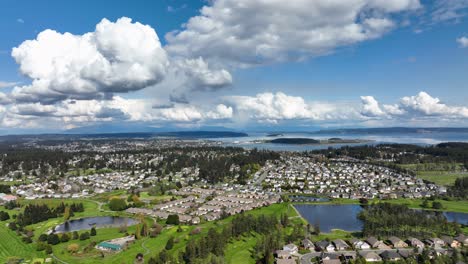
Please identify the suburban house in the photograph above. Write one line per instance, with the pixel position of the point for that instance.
(373, 242)
(322, 245)
(307, 244)
(397, 242)
(390, 255)
(330, 258)
(414, 242)
(359, 244)
(435, 242)
(285, 261)
(283, 254)
(331, 261)
(340, 244)
(370, 256)
(5, 198)
(462, 239)
(291, 248)
(406, 253)
(451, 242)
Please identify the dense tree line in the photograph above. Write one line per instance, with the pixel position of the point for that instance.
(404, 153)
(459, 188)
(35, 213)
(215, 163)
(385, 219)
(5, 188)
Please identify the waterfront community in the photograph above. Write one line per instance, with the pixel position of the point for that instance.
(157, 201)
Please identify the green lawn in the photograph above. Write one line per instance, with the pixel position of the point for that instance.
(240, 251)
(335, 234)
(438, 173)
(451, 206)
(440, 177)
(11, 245)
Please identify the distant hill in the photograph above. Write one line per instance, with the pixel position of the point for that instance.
(133, 135)
(202, 134)
(393, 130)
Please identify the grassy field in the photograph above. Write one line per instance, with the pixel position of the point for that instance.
(440, 177)
(438, 173)
(11, 245)
(450, 206)
(237, 251)
(241, 251)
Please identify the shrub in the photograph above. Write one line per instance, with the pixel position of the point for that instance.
(42, 238)
(117, 204)
(75, 235)
(65, 238)
(53, 239)
(84, 236)
(173, 220)
(73, 248)
(93, 231)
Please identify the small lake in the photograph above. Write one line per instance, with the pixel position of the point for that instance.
(330, 216)
(98, 222)
(344, 216)
(461, 218)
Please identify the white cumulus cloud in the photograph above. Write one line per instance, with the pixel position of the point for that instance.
(245, 32)
(463, 42)
(415, 107)
(117, 57)
(274, 107)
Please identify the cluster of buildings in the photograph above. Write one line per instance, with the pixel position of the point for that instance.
(115, 245)
(341, 179)
(206, 204)
(5, 198)
(371, 249)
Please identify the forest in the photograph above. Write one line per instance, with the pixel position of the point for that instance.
(404, 153)
(35, 213)
(215, 163)
(385, 219)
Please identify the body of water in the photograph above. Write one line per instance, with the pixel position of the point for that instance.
(98, 222)
(330, 217)
(344, 216)
(254, 140)
(461, 218)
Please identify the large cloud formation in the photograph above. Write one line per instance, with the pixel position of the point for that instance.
(274, 107)
(421, 105)
(245, 32)
(117, 57)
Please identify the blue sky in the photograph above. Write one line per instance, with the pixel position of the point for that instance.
(236, 64)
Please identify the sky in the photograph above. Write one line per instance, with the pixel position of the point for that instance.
(238, 64)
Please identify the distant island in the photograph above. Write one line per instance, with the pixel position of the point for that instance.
(311, 141)
(393, 130)
(275, 135)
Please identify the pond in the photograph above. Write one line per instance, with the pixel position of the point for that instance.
(97, 222)
(329, 216)
(461, 218)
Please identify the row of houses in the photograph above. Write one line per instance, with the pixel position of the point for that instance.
(371, 249)
(391, 243)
